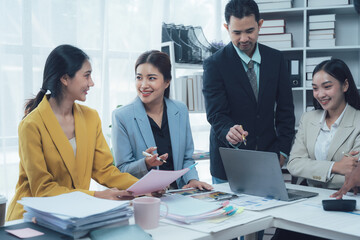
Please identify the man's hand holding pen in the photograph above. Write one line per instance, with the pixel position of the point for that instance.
(236, 135)
(154, 160)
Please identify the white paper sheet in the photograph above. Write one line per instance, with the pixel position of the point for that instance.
(74, 204)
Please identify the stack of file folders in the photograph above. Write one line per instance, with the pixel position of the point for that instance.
(75, 214)
(190, 43)
(188, 210)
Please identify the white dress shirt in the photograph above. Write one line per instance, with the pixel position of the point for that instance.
(73, 144)
(325, 137)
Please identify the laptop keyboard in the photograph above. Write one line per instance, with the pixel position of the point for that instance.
(293, 195)
(298, 194)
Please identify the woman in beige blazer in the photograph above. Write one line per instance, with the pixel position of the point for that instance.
(61, 145)
(327, 143)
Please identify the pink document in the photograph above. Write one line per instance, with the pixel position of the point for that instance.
(156, 180)
(25, 232)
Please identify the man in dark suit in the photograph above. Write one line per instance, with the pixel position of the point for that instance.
(252, 102)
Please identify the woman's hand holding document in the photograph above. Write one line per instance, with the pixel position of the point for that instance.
(156, 180)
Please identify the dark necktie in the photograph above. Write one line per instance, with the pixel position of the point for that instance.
(252, 77)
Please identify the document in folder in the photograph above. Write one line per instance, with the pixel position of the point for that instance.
(156, 180)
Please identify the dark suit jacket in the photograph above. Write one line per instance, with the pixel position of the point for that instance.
(229, 100)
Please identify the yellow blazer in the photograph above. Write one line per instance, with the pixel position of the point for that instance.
(48, 166)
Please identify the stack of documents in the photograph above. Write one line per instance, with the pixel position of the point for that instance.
(272, 33)
(188, 210)
(75, 214)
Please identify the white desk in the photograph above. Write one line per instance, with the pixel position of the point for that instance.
(174, 232)
(306, 217)
(309, 217)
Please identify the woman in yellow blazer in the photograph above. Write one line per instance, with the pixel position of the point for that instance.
(61, 144)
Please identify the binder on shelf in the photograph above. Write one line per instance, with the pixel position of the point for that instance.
(181, 89)
(294, 69)
(198, 93)
(190, 93)
(195, 96)
(202, 97)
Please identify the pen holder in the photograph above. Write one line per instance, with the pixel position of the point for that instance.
(147, 211)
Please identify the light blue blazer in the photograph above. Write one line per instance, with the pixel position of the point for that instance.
(131, 134)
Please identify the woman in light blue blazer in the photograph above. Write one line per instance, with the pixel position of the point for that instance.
(155, 124)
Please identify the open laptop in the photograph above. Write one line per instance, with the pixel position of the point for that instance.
(258, 173)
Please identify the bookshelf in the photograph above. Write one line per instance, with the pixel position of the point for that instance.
(179, 69)
(347, 33)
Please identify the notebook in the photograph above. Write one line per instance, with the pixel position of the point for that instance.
(258, 173)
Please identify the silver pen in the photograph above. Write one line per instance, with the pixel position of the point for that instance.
(146, 154)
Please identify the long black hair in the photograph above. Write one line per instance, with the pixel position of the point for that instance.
(161, 61)
(64, 59)
(341, 72)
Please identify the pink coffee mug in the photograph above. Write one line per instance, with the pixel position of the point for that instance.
(147, 211)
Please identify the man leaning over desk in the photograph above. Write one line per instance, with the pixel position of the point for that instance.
(247, 91)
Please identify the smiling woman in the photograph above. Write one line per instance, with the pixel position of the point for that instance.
(155, 124)
(327, 144)
(61, 145)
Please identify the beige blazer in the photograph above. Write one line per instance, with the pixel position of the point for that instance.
(302, 161)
